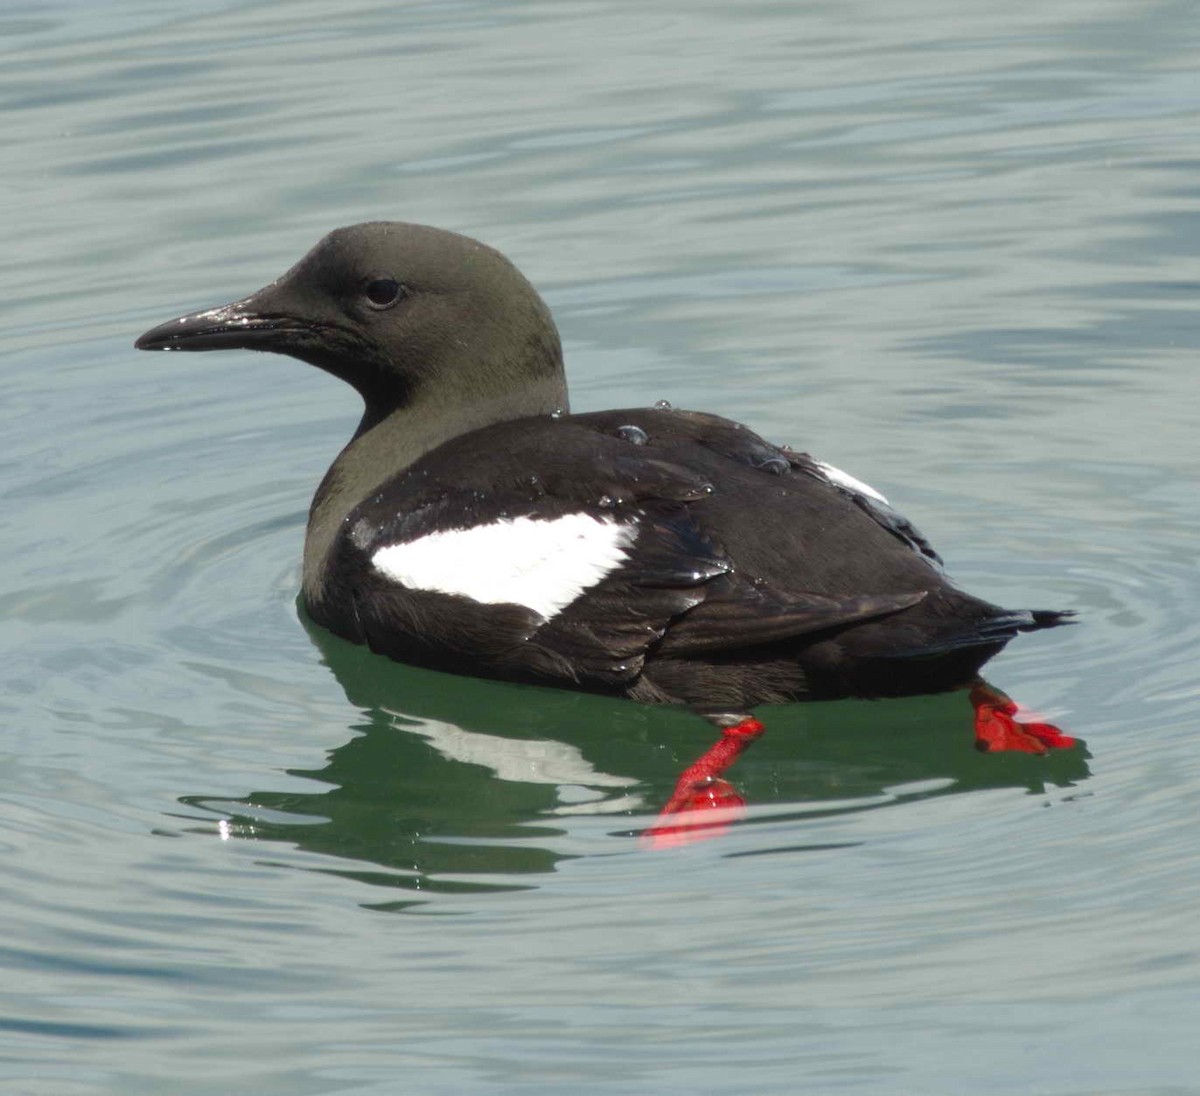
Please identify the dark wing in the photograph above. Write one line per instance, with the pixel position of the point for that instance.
(679, 594)
(869, 501)
(672, 588)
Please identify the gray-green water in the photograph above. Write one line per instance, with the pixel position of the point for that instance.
(951, 247)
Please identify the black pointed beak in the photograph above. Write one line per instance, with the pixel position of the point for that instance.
(249, 324)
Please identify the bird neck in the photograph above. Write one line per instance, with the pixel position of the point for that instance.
(389, 441)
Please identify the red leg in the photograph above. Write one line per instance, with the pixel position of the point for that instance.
(702, 804)
(1002, 725)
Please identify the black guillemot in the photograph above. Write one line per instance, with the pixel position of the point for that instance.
(473, 525)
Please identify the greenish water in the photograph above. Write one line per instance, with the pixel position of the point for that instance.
(950, 248)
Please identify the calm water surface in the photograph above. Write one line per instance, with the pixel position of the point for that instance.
(950, 247)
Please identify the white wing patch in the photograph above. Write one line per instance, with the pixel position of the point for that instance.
(844, 479)
(543, 565)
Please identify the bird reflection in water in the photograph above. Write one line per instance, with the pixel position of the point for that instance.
(450, 785)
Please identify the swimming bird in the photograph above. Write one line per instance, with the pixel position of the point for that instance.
(472, 524)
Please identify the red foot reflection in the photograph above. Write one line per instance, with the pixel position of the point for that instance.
(704, 804)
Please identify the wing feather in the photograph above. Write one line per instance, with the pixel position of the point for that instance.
(675, 590)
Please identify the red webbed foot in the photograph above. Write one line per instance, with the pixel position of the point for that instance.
(703, 804)
(1002, 725)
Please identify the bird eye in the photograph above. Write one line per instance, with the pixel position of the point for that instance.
(383, 292)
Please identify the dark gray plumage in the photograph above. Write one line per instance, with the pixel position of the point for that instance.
(751, 576)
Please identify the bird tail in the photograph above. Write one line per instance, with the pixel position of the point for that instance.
(1045, 618)
(996, 629)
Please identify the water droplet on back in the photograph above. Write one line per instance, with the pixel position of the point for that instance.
(663, 405)
(633, 434)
